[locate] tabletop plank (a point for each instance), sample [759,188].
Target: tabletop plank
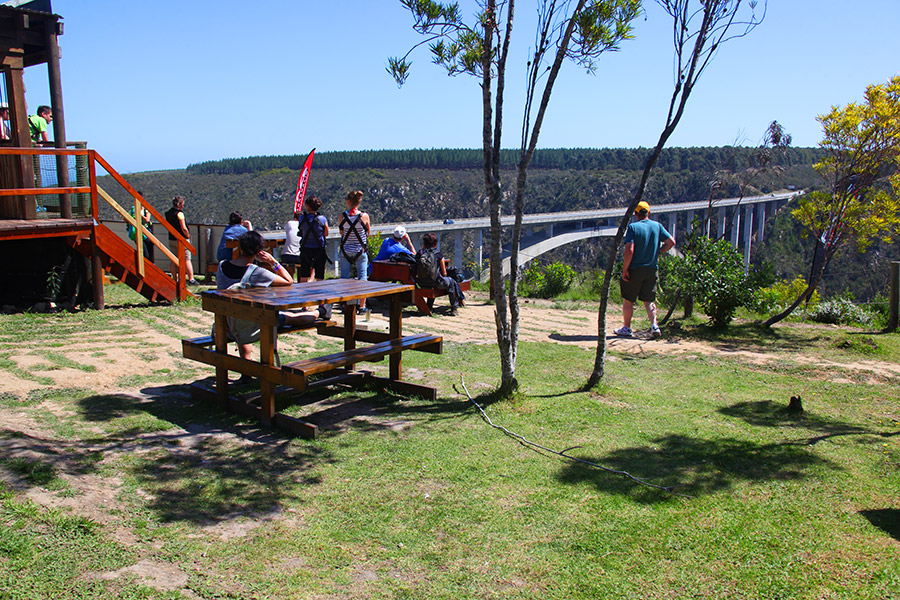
[303,294]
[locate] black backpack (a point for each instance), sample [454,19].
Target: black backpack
[427,268]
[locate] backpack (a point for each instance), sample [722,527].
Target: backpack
[132,232]
[427,268]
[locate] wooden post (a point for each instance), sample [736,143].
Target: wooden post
[395,362]
[97,273]
[59,120]
[895,295]
[267,337]
[220,333]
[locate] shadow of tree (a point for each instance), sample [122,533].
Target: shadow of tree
[212,467]
[885,519]
[744,336]
[765,413]
[691,466]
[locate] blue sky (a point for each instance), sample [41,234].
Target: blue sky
[160,85]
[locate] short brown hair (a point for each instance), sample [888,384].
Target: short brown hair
[355,197]
[429,240]
[251,243]
[314,204]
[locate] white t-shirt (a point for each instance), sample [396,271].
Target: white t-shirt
[291,238]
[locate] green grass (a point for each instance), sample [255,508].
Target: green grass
[405,498]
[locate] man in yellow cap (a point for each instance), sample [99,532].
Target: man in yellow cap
[642,248]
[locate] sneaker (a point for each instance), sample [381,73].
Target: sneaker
[454,312]
[361,311]
[655,332]
[325,312]
[624,332]
[193,282]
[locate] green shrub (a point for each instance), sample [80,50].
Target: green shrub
[780,295]
[546,281]
[712,271]
[840,311]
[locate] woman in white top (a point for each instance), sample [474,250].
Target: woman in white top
[290,256]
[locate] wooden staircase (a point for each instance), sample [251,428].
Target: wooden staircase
[119,259]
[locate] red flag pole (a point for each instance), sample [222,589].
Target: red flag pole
[302,181]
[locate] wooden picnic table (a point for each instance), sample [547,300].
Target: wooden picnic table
[262,305]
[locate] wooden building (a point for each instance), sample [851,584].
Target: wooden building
[49,195]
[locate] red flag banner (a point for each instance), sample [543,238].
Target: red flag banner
[301,182]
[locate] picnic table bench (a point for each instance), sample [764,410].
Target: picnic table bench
[423,297]
[262,306]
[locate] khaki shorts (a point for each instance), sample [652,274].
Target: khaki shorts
[173,247]
[641,285]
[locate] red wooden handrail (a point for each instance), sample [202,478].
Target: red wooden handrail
[94,158]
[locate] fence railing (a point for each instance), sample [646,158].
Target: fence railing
[88,195]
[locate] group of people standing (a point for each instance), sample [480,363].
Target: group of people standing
[304,251]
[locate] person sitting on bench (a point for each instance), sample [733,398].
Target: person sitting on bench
[240,272]
[431,271]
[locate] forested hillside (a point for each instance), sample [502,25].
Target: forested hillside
[411,185]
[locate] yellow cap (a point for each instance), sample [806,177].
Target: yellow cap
[642,207]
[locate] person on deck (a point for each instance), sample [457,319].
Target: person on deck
[37,124]
[235,229]
[314,230]
[241,270]
[355,230]
[642,249]
[431,271]
[175,218]
[398,242]
[5,133]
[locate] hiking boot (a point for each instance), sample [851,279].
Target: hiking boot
[655,332]
[624,332]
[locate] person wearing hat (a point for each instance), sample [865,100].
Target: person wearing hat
[397,242]
[642,247]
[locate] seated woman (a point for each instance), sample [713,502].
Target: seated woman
[431,271]
[241,272]
[236,228]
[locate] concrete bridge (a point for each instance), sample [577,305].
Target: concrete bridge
[543,232]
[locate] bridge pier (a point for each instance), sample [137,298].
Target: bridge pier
[672,224]
[689,226]
[479,250]
[335,253]
[735,226]
[458,249]
[720,223]
[760,221]
[748,232]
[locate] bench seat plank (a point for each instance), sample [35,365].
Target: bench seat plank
[373,353]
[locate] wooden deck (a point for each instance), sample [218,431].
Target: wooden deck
[20,229]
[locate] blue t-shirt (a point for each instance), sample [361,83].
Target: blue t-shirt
[646,236]
[390,247]
[232,232]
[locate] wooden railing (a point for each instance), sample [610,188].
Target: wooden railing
[97,193]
